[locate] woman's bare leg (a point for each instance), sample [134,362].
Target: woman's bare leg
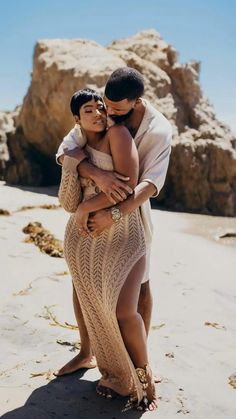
[145,305]
[85,358]
[132,325]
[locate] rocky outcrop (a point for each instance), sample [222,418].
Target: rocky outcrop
[202,173]
[7,126]
[60,68]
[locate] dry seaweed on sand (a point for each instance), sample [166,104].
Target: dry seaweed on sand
[42,238]
[62,273]
[24,291]
[232,380]
[47,374]
[43,206]
[215,325]
[74,345]
[156,327]
[52,317]
[4,212]
[170,355]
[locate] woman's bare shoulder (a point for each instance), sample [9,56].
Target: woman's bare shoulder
[118,132]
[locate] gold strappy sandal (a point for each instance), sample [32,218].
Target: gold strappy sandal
[142,376]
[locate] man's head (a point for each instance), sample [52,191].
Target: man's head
[123,91]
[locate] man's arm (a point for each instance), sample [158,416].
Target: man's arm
[102,220]
[156,154]
[112,184]
[73,139]
[142,192]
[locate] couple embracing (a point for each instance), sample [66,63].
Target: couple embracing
[113,161]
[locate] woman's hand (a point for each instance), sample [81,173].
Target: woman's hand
[81,219]
[99,222]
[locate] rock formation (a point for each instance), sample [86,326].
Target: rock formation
[202,173]
[7,125]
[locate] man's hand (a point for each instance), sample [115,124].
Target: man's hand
[113,185]
[99,222]
[77,152]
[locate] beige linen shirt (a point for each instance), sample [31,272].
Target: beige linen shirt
[153,141]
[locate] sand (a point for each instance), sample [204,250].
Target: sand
[193,337]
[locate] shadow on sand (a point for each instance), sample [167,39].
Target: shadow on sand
[71,397]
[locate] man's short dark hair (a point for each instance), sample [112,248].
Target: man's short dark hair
[81,97]
[124,83]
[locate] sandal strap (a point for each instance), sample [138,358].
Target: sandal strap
[142,376]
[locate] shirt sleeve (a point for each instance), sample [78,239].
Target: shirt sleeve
[156,159]
[73,139]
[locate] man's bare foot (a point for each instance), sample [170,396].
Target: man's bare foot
[151,403]
[76,363]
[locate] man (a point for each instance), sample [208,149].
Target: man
[152,134]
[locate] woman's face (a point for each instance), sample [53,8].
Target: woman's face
[93,116]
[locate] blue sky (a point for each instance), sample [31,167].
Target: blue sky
[201,30]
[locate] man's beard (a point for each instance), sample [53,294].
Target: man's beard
[121,118]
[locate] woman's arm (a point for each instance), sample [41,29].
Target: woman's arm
[70,192]
[125,160]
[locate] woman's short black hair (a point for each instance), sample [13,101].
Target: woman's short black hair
[124,83]
[81,97]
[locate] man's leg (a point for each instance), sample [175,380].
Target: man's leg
[145,304]
[85,358]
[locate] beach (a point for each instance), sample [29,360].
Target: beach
[193,334]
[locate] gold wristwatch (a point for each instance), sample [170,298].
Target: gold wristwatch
[116,214]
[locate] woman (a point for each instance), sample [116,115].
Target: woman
[107,269]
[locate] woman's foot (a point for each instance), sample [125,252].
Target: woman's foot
[146,378]
[78,362]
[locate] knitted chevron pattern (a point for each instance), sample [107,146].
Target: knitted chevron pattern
[70,194]
[99,267]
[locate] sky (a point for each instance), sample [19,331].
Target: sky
[203,30]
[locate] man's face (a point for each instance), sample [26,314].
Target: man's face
[119,111]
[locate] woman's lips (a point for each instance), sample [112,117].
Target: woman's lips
[100,122]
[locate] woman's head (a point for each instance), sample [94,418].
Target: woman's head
[88,109]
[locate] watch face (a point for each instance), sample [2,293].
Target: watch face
[116,215]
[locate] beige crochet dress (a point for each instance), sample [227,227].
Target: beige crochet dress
[99,267]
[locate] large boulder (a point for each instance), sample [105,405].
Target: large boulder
[60,68]
[7,126]
[202,173]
